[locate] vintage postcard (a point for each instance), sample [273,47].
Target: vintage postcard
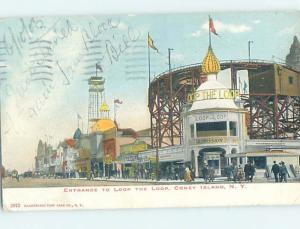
[150,110]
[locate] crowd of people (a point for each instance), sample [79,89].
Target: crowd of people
[238,173]
[235,173]
[280,172]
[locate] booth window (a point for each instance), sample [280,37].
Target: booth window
[291,80]
[211,129]
[192,130]
[232,128]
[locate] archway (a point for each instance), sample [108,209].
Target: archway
[214,157]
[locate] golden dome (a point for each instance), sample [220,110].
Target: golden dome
[104,107]
[103,125]
[211,64]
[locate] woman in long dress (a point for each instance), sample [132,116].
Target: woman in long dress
[187,175]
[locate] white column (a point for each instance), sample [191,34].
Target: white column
[196,153]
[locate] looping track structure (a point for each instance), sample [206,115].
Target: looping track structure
[272,113]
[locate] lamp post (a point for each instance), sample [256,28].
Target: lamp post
[249,49]
[171,97]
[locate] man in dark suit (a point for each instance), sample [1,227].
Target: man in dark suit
[275,169]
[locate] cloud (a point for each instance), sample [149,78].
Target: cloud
[231,28]
[223,27]
[122,26]
[290,30]
[197,33]
[177,56]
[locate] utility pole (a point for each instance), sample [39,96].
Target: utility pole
[1,165]
[171,98]
[249,49]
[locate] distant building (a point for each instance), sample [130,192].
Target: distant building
[293,58]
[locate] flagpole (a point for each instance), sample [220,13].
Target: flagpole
[151,122]
[209,34]
[148,61]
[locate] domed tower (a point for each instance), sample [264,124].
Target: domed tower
[104,123]
[214,126]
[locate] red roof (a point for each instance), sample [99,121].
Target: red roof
[71,142]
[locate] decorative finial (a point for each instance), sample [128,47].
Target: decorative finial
[210,64]
[104,107]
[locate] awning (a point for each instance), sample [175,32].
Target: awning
[264,154]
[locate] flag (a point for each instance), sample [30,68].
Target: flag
[151,43]
[98,67]
[118,101]
[212,26]
[78,116]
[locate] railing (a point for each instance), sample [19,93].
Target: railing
[224,62]
[274,143]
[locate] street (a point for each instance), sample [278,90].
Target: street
[40,182]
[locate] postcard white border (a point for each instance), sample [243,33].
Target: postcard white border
[150,196]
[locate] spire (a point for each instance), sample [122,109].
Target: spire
[295,40]
[210,64]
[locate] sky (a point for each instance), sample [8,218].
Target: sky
[43,94]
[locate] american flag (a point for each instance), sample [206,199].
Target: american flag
[118,101]
[98,67]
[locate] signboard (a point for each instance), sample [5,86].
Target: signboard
[210,156]
[214,140]
[108,159]
[205,117]
[135,147]
[213,94]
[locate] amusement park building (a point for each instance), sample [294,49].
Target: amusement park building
[219,126]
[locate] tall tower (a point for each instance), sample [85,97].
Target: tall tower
[96,91]
[293,58]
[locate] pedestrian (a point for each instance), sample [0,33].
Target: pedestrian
[247,171]
[252,172]
[211,174]
[146,173]
[283,172]
[181,171]
[187,175]
[229,172]
[177,172]
[92,175]
[235,172]
[172,172]
[240,173]
[205,173]
[168,172]
[275,169]
[193,174]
